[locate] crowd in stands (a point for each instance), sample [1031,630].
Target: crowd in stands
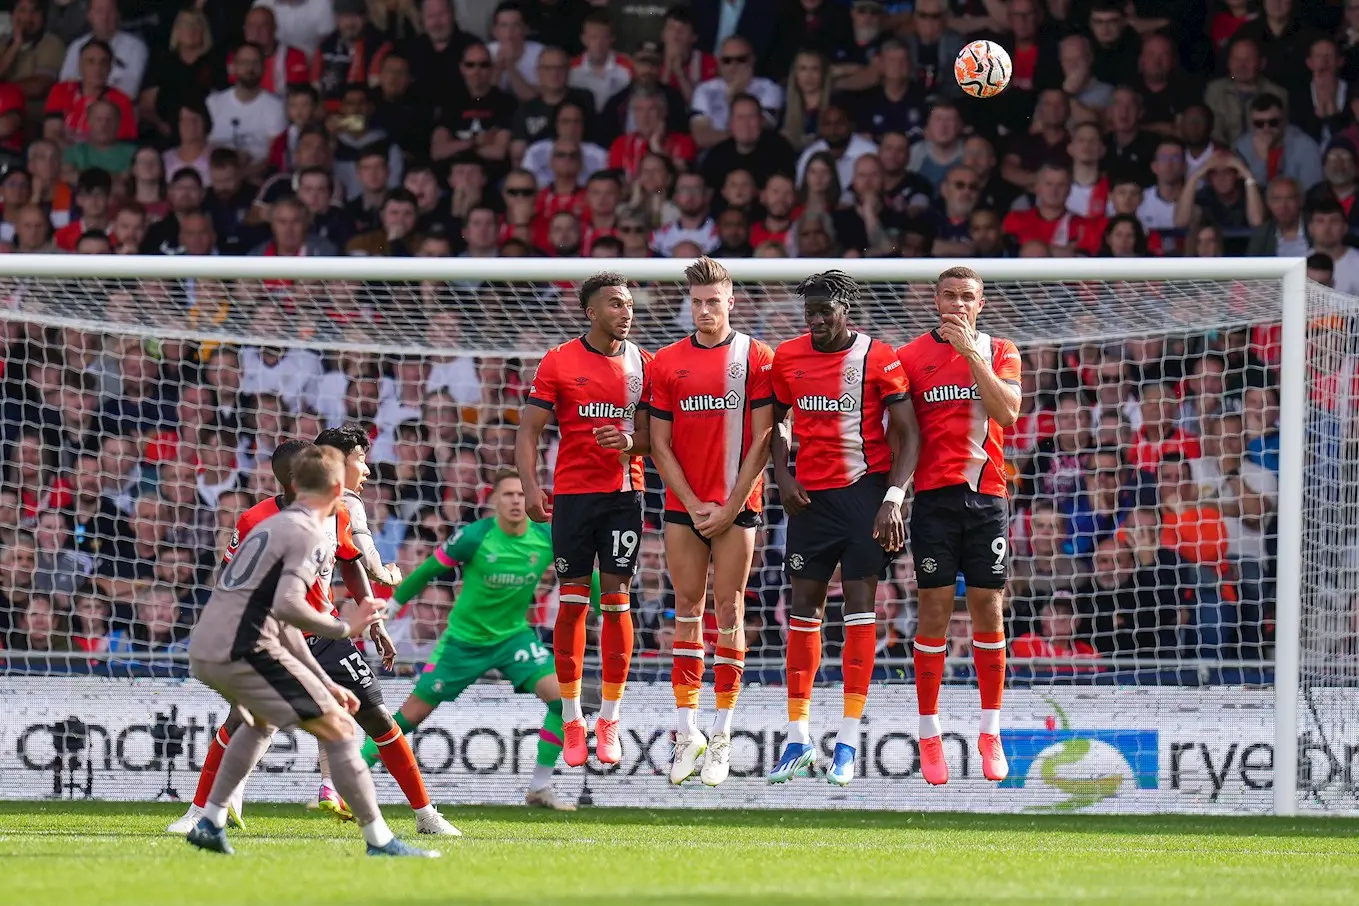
[1145,471]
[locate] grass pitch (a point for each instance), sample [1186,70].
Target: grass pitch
[104,853]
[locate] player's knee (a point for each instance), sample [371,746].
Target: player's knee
[332,726]
[374,721]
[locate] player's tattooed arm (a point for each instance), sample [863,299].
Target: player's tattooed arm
[791,492]
[532,421]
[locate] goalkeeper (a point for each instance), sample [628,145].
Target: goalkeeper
[503,558]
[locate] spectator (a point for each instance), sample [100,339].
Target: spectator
[563,192]
[535,119]
[418,627]
[90,623]
[648,112]
[1275,148]
[185,197]
[1089,96]
[1042,568]
[950,221]
[93,191]
[329,222]
[246,117]
[600,70]
[905,191]
[618,118]
[194,124]
[1049,222]
[807,93]
[32,57]
[866,224]
[1196,533]
[1047,140]
[1321,110]
[634,232]
[353,52]
[1231,198]
[713,99]
[396,20]
[230,197]
[820,190]
[356,136]
[516,58]
[838,140]
[694,224]
[61,567]
[435,56]
[813,236]
[1284,232]
[942,147]
[1129,149]
[1229,97]
[684,66]
[479,119]
[1283,39]
[1123,238]
[281,63]
[1160,434]
[373,174]
[398,111]
[1089,195]
[1116,44]
[933,46]
[396,236]
[733,231]
[1033,53]
[479,234]
[1327,226]
[539,158]
[100,146]
[146,182]
[73,99]
[855,61]
[1054,637]
[750,146]
[55,194]
[652,189]
[32,231]
[127,53]
[563,236]
[1157,210]
[40,628]
[288,226]
[155,629]
[186,73]
[778,202]
[1166,91]
[603,193]
[985,236]
[1321,269]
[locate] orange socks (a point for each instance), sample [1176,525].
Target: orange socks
[728,667]
[395,751]
[861,642]
[568,646]
[211,762]
[804,659]
[686,675]
[988,657]
[929,657]
[615,648]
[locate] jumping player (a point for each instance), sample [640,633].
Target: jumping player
[844,505]
[595,385]
[964,387]
[247,646]
[502,558]
[712,414]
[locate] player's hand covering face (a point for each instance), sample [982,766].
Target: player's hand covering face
[611,309]
[827,322]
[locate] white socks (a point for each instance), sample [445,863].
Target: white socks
[686,720]
[215,813]
[799,731]
[929,726]
[722,723]
[542,777]
[571,710]
[377,833]
[608,710]
[420,812]
[849,732]
[990,722]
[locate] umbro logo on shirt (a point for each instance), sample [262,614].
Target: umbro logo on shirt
[582,381]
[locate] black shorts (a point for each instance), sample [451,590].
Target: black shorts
[955,530]
[344,664]
[837,529]
[744,519]
[606,528]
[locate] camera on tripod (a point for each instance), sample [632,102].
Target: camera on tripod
[70,738]
[167,739]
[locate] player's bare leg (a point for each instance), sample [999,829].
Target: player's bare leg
[615,649]
[733,551]
[930,651]
[540,792]
[803,661]
[208,774]
[568,651]
[857,659]
[686,557]
[986,606]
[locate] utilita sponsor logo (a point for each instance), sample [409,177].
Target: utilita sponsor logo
[951,393]
[707,402]
[606,410]
[845,403]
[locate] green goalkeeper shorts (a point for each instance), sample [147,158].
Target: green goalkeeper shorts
[522,659]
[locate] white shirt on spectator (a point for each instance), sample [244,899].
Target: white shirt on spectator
[1193,161]
[391,411]
[294,378]
[538,161]
[712,101]
[458,377]
[303,24]
[129,63]
[1155,213]
[1347,272]
[329,398]
[247,127]
[858,147]
[211,493]
[667,237]
[401,631]
[527,65]
[173,163]
[603,83]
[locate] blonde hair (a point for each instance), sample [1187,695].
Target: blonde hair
[795,110]
[317,469]
[706,272]
[191,16]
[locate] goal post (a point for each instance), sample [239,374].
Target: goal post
[1063,303]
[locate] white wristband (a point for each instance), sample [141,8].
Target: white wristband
[627,442]
[894,495]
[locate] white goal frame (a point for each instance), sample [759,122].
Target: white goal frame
[1291,272]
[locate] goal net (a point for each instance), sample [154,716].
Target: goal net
[140,413]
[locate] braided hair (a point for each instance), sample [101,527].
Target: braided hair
[832,285]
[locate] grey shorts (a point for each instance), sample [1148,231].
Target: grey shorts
[273,689]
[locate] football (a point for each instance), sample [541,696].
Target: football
[982,69]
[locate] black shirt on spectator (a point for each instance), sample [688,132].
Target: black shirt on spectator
[408,120]
[181,83]
[772,154]
[1164,106]
[162,237]
[338,62]
[334,225]
[557,23]
[1285,55]
[875,113]
[1226,216]
[913,190]
[535,119]
[826,29]
[1033,151]
[998,195]
[1134,159]
[435,71]
[466,116]
[852,233]
[1115,64]
[228,214]
[362,216]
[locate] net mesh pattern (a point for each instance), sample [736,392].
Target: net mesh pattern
[139,418]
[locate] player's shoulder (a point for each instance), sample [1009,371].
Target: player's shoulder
[270,506]
[570,348]
[473,532]
[794,346]
[760,351]
[926,341]
[667,356]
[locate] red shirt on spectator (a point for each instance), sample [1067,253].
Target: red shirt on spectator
[1223,26]
[760,234]
[627,151]
[590,234]
[12,101]
[1033,645]
[67,99]
[1147,453]
[1067,229]
[700,68]
[68,236]
[285,66]
[550,203]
